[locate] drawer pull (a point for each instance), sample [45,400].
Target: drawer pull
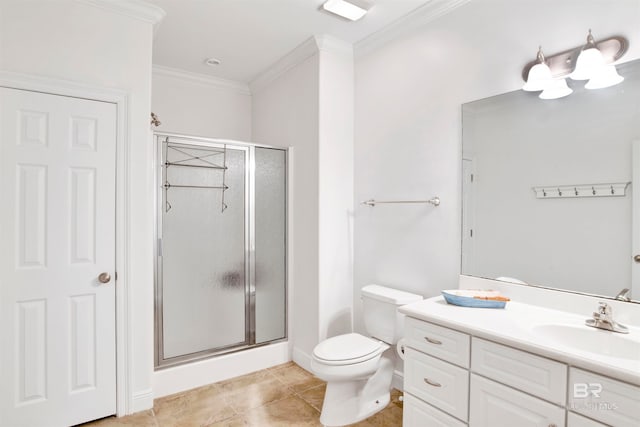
[432,383]
[552,425]
[432,341]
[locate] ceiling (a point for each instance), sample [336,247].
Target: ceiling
[250,35]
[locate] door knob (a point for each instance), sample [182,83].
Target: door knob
[104,278]
[636,258]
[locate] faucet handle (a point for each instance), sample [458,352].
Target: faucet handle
[604,308]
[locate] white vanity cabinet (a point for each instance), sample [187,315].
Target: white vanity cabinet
[493,404]
[575,420]
[455,379]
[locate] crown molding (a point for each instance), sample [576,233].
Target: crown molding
[302,52]
[161,70]
[424,14]
[136,9]
[332,44]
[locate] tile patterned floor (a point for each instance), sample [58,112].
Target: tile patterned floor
[282,396]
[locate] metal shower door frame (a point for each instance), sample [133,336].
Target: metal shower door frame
[250,257]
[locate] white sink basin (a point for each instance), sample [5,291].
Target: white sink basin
[592,340]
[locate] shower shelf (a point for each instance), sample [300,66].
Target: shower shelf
[213,187]
[167,164]
[196,157]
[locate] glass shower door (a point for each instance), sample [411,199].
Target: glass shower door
[270,270]
[204,249]
[221,269]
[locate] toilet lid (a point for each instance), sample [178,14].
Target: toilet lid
[346,347]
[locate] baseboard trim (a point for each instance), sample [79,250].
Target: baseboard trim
[398,380]
[141,401]
[302,358]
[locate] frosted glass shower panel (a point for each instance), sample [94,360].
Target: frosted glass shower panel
[204,253]
[270,243]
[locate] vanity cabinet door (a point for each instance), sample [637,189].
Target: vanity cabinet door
[443,343]
[496,405]
[539,376]
[417,413]
[604,399]
[439,383]
[574,420]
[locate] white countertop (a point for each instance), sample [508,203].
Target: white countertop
[514,326]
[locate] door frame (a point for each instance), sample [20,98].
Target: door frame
[124,356]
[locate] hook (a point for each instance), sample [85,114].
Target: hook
[544,193]
[593,191]
[559,192]
[575,190]
[154,120]
[612,190]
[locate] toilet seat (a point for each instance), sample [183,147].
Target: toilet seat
[348,349]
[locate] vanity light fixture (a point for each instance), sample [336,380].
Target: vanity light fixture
[349,9]
[539,75]
[591,66]
[556,88]
[539,79]
[592,62]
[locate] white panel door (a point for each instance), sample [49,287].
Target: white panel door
[635,221]
[57,235]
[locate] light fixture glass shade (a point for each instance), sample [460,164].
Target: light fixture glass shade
[589,63]
[607,76]
[345,9]
[557,88]
[538,79]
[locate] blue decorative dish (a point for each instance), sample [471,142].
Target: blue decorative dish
[466,298]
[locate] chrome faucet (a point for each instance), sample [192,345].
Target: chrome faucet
[603,319]
[624,295]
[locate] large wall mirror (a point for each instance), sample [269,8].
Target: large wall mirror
[548,198]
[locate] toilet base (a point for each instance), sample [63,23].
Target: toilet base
[347,402]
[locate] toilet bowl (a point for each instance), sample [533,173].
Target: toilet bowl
[359,369]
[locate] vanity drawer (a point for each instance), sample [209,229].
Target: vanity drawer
[536,375]
[496,405]
[575,420]
[604,399]
[437,341]
[416,413]
[439,383]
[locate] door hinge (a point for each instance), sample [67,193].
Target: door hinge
[471,233]
[471,177]
[159,247]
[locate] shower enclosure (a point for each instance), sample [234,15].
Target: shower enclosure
[221,247]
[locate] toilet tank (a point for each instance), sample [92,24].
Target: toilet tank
[380,310]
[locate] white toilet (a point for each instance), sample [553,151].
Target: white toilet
[359,369]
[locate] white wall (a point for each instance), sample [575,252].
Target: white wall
[77,42]
[407,123]
[305,101]
[285,113]
[335,158]
[200,105]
